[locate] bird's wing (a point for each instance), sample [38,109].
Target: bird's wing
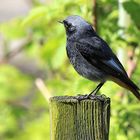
[97,52]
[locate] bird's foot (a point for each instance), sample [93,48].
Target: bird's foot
[89,96]
[80,97]
[94,96]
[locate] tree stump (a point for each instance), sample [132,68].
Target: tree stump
[85,120]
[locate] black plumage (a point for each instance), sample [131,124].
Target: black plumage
[91,56]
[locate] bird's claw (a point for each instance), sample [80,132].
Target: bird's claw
[82,97]
[88,96]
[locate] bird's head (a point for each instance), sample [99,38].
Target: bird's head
[76,26]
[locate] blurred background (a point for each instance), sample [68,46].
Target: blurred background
[34,65]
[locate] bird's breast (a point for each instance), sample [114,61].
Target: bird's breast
[82,66]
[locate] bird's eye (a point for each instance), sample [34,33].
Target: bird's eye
[69,26]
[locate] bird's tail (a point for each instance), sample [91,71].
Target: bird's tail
[133,88]
[128,84]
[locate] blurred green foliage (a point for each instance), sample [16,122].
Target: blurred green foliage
[24,113]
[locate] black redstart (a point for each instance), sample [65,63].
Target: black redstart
[92,58]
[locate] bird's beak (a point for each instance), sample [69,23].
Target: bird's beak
[62,22]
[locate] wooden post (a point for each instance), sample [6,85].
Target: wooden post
[84,120]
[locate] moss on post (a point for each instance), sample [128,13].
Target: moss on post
[84,120]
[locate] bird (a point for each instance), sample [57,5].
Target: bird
[92,57]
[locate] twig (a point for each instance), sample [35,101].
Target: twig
[41,86]
[131,62]
[21,46]
[94,13]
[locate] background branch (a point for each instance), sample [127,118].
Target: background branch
[94,13]
[43,89]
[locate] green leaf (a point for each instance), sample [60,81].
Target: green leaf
[34,15]
[133,9]
[59,57]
